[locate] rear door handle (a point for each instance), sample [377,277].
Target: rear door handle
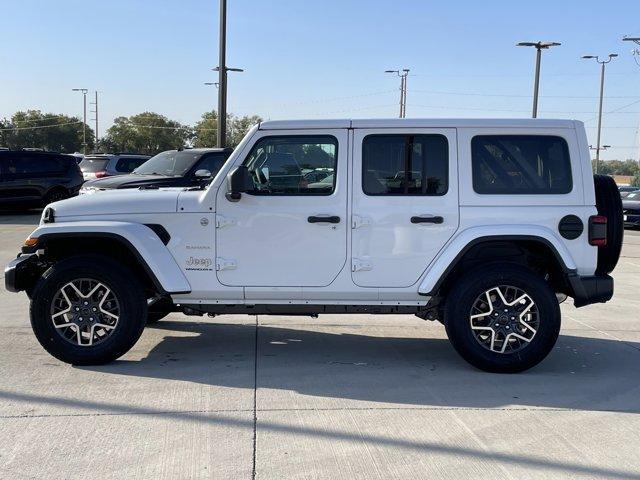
[323,219]
[427,219]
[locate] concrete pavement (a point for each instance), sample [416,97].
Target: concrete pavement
[335,397]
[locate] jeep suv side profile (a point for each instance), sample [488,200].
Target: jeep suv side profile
[483,225]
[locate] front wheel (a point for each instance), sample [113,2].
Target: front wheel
[88,310]
[502,318]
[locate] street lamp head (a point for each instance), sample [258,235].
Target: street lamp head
[538,45]
[235,70]
[627,38]
[391,71]
[588,56]
[613,55]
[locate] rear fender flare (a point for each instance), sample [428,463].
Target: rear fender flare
[460,244]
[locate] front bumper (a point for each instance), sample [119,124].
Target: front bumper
[591,289]
[22,273]
[631,220]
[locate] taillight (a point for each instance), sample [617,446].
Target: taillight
[101,174]
[598,230]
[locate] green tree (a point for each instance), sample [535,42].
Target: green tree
[206,130]
[617,167]
[48,131]
[147,133]
[636,180]
[238,128]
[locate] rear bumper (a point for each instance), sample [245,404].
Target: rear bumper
[591,289]
[22,273]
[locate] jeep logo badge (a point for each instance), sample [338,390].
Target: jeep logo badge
[204,222]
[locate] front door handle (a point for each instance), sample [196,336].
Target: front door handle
[427,219]
[323,219]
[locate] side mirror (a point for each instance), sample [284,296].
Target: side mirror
[202,174]
[238,181]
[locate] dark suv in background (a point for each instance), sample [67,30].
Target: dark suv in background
[173,168]
[33,178]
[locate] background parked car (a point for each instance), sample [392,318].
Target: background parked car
[173,168]
[631,209]
[625,191]
[101,165]
[35,178]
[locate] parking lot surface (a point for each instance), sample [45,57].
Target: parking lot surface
[349,397]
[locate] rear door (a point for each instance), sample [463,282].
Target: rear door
[405,202]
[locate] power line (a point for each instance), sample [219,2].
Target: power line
[41,126]
[478,94]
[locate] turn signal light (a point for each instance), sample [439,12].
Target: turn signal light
[598,230]
[101,174]
[31,242]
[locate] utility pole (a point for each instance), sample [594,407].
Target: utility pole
[403,74]
[84,117]
[222,70]
[602,63]
[536,83]
[95,103]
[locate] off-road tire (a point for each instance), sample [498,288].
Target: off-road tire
[609,204]
[124,286]
[458,308]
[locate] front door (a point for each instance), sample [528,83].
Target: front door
[291,229]
[405,203]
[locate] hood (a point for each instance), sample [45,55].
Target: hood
[119,202]
[131,181]
[631,204]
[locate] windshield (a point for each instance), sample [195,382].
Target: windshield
[93,164]
[171,163]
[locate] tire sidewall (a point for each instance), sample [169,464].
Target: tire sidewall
[122,283]
[474,284]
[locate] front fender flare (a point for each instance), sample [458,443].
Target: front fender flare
[466,239]
[143,243]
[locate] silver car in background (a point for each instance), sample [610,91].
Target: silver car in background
[101,165]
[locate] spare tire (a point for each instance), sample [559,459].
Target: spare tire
[609,204]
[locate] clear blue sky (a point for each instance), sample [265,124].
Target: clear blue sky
[322,58]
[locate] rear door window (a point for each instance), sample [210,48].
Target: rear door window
[405,165]
[35,165]
[520,164]
[128,164]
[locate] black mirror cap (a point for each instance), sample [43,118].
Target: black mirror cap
[238,182]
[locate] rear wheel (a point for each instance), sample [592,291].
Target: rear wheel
[502,318]
[88,310]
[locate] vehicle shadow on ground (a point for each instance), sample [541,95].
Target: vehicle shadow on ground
[592,374]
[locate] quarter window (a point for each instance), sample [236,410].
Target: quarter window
[405,165]
[520,164]
[293,165]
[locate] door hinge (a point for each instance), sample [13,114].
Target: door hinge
[222,221]
[358,221]
[361,264]
[225,264]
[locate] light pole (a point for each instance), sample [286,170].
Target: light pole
[84,117]
[602,63]
[222,70]
[635,52]
[403,74]
[536,84]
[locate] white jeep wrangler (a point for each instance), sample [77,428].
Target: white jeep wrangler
[484,225]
